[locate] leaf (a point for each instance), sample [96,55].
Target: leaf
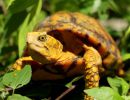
[2,87]
[29,23]
[20,5]
[70,84]
[126,56]
[9,2]
[18,78]
[22,36]
[12,24]
[113,6]
[103,93]
[125,39]
[96,5]
[119,85]
[17,97]
[3,95]
[45,99]
[126,97]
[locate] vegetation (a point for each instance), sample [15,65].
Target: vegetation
[17,17]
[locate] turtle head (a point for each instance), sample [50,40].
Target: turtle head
[43,47]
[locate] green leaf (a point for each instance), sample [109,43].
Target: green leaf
[20,5]
[45,99]
[18,78]
[113,6]
[126,56]
[2,87]
[70,84]
[8,2]
[119,85]
[3,95]
[22,36]
[103,93]
[17,97]
[12,24]
[96,5]
[126,97]
[126,38]
[29,23]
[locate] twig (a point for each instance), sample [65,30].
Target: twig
[65,92]
[8,89]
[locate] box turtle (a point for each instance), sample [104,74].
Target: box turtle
[67,44]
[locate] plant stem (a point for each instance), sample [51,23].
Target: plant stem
[65,92]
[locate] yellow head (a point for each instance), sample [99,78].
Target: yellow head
[43,47]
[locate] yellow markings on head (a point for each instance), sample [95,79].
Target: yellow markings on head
[43,47]
[36,37]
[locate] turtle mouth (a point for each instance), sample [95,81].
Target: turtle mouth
[37,51]
[34,47]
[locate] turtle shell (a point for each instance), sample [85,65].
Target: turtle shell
[75,26]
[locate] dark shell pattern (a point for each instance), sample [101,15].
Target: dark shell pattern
[88,30]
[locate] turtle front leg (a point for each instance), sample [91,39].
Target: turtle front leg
[92,64]
[19,64]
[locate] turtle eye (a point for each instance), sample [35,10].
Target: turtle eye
[42,38]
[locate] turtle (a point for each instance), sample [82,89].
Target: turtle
[66,44]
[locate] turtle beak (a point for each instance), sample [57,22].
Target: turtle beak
[30,37]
